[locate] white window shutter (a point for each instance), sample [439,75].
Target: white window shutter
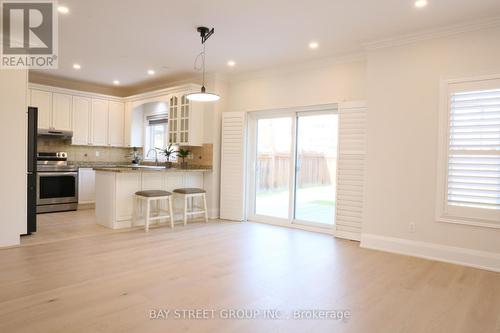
[233,150]
[474,150]
[351,170]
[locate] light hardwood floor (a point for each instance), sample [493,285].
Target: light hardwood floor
[90,279]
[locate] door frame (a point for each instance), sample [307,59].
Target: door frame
[294,113]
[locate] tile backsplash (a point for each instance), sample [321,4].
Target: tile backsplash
[201,156]
[84,153]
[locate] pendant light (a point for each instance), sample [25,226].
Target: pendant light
[203,95]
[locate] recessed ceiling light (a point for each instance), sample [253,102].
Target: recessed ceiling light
[63,10]
[151,72]
[313,45]
[76,66]
[231,63]
[420,3]
[116,82]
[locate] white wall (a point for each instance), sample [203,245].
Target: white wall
[322,82]
[403,96]
[212,134]
[13,107]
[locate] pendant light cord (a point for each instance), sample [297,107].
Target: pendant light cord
[202,68]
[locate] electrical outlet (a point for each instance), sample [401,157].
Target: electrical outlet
[412,227]
[97,154]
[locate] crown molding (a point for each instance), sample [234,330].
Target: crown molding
[433,34]
[45,79]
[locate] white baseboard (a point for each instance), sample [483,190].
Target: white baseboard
[455,255]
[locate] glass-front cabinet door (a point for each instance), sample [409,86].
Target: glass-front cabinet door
[184,121]
[173,121]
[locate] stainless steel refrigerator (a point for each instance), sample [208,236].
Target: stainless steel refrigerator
[31,169]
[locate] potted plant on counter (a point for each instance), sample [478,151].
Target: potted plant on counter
[168,152]
[183,154]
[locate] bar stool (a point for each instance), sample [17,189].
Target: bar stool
[191,193]
[156,196]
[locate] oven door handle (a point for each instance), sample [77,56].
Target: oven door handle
[56,174]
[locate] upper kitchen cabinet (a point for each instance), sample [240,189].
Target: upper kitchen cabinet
[99,122]
[61,111]
[43,101]
[102,120]
[82,108]
[116,118]
[54,109]
[173,120]
[185,121]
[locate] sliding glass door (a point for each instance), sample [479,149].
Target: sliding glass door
[274,151]
[316,168]
[293,168]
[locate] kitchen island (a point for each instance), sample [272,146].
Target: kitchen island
[115,188]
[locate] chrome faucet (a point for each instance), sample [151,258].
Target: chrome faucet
[156,155]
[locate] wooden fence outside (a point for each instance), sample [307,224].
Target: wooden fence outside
[315,169]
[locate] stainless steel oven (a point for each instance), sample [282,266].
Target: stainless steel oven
[57,183]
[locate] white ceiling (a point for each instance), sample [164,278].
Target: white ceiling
[122,39]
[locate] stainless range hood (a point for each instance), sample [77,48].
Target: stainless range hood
[55,133]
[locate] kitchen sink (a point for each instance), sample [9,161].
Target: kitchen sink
[150,167]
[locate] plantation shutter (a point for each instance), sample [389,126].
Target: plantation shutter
[232,191]
[473,175]
[351,170]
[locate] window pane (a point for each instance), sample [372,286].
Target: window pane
[274,152]
[159,136]
[316,168]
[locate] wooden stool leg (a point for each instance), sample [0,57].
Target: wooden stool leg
[185,208]
[205,207]
[146,223]
[158,209]
[134,211]
[192,207]
[171,212]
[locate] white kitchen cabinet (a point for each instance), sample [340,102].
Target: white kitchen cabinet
[116,119]
[185,121]
[54,109]
[86,186]
[43,101]
[99,122]
[113,121]
[62,105]
[82,108]
[173,119]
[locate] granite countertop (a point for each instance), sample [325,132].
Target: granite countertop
[95,164]
[151,169]
[127,167]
